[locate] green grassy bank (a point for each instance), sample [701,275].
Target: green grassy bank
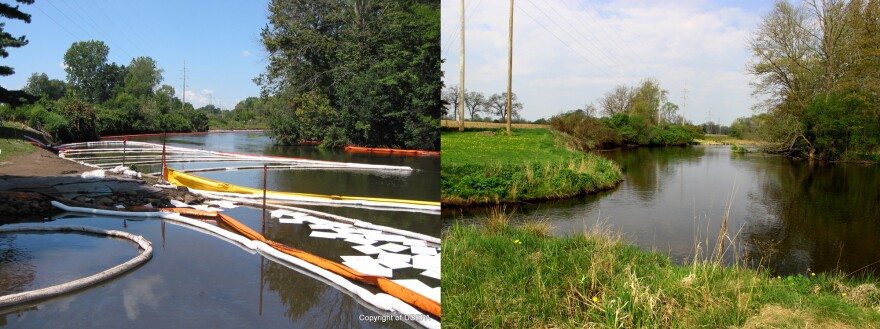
[505,277]
[489,167]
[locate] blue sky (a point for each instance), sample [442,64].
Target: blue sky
[220,41]
[568,53]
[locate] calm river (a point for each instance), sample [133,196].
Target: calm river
[195,280]
[794,215]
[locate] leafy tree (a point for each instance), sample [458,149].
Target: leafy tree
[12,97]
[817,65]
[647,100]
[142,76]
[85,62]
[375,61]
[41,86]
[668,113]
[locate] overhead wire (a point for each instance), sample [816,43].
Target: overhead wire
[90,22]
[118,28]
[624,49]
[457,29]
[575,51]
[602,48]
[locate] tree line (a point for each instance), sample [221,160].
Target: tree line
[476,104]
[818,67]
[627,115]
[102,98]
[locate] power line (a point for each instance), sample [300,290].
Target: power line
[602,48]
[554,21]
[617,40]
[118,28]
[457,29]
[599,67]
[85,17]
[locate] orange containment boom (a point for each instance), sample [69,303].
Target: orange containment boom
[390,287]
[390,151]
[200,183]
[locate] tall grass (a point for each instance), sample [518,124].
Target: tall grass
[515,277]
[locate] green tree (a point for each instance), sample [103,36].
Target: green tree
[142,76]
[85,63]
[41,86]
[647,100]
[376,62]
[818,66]
[12,97]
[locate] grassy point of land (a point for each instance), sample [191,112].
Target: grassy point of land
[489,167]
[711,139]
[501,276]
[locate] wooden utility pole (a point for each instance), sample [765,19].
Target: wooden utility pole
[510,69]
[461,75]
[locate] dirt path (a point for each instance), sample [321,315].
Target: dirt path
[40,163]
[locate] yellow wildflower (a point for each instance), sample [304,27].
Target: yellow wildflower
[595,299]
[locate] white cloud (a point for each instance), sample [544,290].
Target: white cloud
[200,98]
[62,65]
[568,53]
[246,53]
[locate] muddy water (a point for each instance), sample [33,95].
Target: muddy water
[197,280]
[790,215]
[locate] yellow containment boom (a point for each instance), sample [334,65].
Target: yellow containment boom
[200,183]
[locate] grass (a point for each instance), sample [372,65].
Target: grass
[710,139]
[11,147]
[502,276]
[489,167]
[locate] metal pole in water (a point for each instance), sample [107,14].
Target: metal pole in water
[164,166]
[263,230]
[124,141]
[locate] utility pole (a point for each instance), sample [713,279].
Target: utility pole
[510,69]
[183,104]
[684,105]
[461,75]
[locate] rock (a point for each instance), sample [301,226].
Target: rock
[105,201]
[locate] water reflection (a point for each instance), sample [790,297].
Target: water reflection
[16,270]
[790,215]
[818,217]
[141,292]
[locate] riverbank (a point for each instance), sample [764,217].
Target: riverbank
[503,276]
[31,177]
[489,167]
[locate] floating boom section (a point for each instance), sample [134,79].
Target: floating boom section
[390,287]
[203,184]
[109,154]
[253,240]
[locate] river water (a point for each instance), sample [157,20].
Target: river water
[198,280]
[791,216]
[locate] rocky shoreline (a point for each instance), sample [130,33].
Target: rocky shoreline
[30,197]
